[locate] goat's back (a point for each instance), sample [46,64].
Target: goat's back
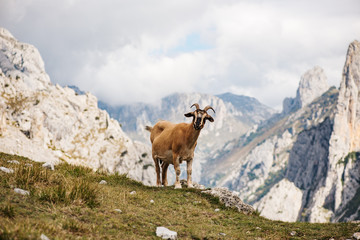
[159,128]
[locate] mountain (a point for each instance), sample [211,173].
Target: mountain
[252,111]
[234,116]
[302,164]
[49,123]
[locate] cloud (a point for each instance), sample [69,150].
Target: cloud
[130,51]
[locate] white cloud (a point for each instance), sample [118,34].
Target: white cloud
[128,51]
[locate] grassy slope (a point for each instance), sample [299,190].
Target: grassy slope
[69,203]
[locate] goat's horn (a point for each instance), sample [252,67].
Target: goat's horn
[207,108]
[196,105]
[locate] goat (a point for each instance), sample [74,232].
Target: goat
[174,143]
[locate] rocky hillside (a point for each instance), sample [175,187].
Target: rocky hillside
[303,163]
[234,116]
[48,123]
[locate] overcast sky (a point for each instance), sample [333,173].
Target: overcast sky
[142,50]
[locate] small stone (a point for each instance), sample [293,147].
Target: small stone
[118,210]
[49,165]
[258,228]
[151,201]
[165,233]
[133,192]
[13,161]
[217,210]
[28,165]
[7,170]
[293,233]
[44,237]
[103,182]
[222,234]
[21,191]
[356,235]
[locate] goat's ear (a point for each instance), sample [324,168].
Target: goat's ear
[190,114]
[208,117]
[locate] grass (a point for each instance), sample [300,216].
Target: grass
[69,203]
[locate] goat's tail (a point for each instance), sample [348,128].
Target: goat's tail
[149,128]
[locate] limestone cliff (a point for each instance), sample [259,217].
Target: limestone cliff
[48,123]
[341,186]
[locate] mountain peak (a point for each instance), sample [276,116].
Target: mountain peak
[351,68]
[22,60]
[313,83]
[5,33]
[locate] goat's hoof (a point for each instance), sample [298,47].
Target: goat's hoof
[177,186]
[190,185]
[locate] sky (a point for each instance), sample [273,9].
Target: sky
[142,50]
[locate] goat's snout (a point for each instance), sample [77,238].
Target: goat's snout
[197,123]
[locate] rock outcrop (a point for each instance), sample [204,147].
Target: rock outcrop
[49,123]
[312,84]
[230,199]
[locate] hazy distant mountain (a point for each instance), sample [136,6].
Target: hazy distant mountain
[251,109]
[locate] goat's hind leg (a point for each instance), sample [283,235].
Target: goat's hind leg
[164,168]
[176,162]
[157,169]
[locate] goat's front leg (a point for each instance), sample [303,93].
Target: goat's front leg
[176,162]
[189,172]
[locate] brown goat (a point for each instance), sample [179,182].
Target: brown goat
[174,143]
